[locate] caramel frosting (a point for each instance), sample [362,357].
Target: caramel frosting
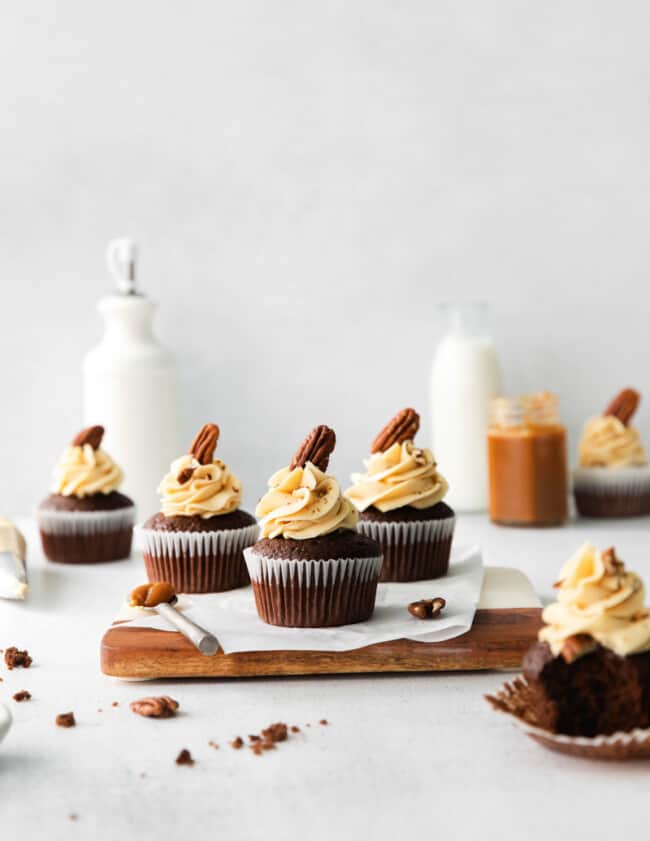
[402,475]
[607,442]
[303,503]
[599,597]
[83,471]
[206,490]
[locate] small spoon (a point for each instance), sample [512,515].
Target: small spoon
[160,596]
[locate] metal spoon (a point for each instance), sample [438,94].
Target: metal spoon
[206,642]
[160,596]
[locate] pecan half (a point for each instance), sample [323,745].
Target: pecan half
[402,427]
[203,446]
[160,707]
[612,563]
[577,646]
[185,475]
[426,608]
[624,405]
[90,435]
[317,448]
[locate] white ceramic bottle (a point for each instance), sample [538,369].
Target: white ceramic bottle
[130,385]
[465,377]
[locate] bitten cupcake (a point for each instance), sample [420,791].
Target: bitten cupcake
[311,568]
[196,542]
[613,477]
[399,498]
[586,686]
[85,520]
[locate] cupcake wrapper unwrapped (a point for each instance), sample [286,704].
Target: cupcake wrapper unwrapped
[513,701]
[313,593]
[612,492]
[413,551]
[198,562]
[86,537]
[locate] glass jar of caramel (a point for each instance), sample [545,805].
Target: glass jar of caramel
[527,461]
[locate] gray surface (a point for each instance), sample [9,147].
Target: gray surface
[307,181]
[404,756]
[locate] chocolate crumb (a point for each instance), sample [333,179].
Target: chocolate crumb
[14,658]
[275,732]
[295,729]
[237,743]
[184,758]
[115,704]
[254,738]
[23,695]
[66,720]
[323,721]
[213,745]
[257,748]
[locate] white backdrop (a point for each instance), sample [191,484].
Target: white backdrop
[307,181]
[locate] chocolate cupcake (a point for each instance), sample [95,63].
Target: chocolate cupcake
[311,568]
[85,520]
[613,477]
[586,686]
[196,542]
[400,505]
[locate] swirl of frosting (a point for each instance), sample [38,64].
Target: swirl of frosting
[84,471]
[606,442]
[597,596]
[210,490]
[304,503]
[402,475]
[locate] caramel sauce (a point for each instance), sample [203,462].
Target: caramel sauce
[152,594]
[527,463]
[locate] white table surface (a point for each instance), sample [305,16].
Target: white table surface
[417,756]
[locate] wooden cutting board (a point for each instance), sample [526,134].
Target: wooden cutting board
[497,640]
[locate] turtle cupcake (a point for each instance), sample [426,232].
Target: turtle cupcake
[196,542]
[586,686]
[86,520]
[311,568]
[613,476]
[400,503]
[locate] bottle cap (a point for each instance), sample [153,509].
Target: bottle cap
[121,256]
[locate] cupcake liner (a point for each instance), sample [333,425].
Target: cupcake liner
[198,562]
[313,593]
[611,492]
[69,523]
[413,551]
[86,537]
[514,699]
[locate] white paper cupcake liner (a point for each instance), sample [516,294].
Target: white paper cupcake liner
[86,523]
[606,480]
[413,551]
[205,543]
[313,593]
[310,573]
[512,700]
[198,562]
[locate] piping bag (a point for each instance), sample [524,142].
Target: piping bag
[13,568]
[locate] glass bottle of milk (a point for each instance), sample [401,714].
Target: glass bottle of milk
[465,378]
[130,385]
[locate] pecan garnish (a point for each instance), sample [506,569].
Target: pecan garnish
[203,446]
[23,695]
[426,608]
[624,405]
[161,707]
[577,646]
[275,732]
[14,658]
[237,743]
[612,563]
[185,475]
[65,720]
[317,448]
[90,435]
[402,427]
